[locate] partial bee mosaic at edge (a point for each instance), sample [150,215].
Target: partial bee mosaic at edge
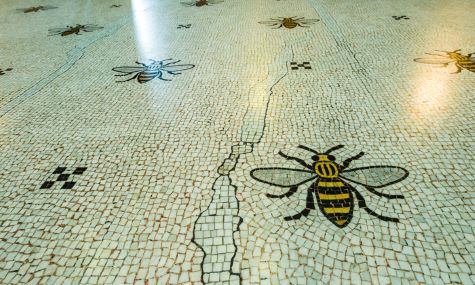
[69,30]
[155,69]
[2,71]
[460,61]
[289,23]
[201,3]
[332,184]
[36,9]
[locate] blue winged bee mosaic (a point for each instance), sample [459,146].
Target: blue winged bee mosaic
[155,69]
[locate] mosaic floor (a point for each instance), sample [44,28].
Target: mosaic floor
[237,142]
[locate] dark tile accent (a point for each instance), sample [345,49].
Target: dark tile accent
[305,65]
[59,170]
[63,177]
[47,185]
[79,170]
[68,185]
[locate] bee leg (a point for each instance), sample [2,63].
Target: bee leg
[307,148]
[371,189]
[141,63]
[306,211]
[127,74]
[132,78]
[289,193]
[172,63]
[161,77]
[362,205]
[300,161]
[333,148]
[347,162]
[435,54]
[162,61]
[459,69]
[470,54]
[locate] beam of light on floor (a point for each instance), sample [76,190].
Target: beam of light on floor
[148,32]
[432,94]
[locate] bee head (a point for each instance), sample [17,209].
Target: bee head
[323,157]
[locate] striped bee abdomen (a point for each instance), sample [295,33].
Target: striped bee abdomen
[463,61]
[335,200]
[148,75]
[467,63]
[289,23]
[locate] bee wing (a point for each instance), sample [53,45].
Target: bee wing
[128,69]
[434,60]
[48,7]
[282,177]
[90,28]
[177,67]
[188,3]
[57,30]
[308,21]
[375,176]
[215,1]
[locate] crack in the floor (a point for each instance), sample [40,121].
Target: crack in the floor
[224,205]
[73,56]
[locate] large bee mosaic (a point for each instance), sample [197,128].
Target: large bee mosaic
[36,9]
[201,3]
[69,30]
[155,69]
[332,184]
[289,23]
[460,61]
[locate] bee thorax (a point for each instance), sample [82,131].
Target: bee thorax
[326,169]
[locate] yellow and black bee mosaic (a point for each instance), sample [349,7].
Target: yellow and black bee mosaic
[460,61]
[69,30]
[201,3]
[36,8]
[155,69]
[289,23]
[332,184]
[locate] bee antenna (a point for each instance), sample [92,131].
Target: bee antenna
[334,148]
[308,149]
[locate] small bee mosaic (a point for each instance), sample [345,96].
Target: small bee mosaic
[201,3]
[155,69]
[397,18]
[69,30]
[36,9]
[333,184]
[460,61]
[181,26]
[289,23]
[2,72]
